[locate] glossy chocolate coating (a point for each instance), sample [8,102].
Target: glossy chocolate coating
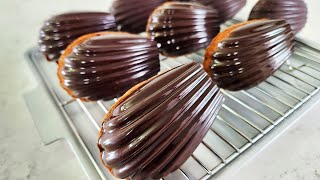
[183,28]
[226,8]
[59,31]
[293,11]
[156,128]
[132,15]
[106,66]
[250,54]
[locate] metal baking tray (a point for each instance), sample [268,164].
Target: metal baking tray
[245,117]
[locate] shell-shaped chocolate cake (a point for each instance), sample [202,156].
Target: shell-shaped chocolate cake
[155,127]
[293,11]
[132,15]
[104,65]
[226,8]
[183,28]
[59,31]
[246,54]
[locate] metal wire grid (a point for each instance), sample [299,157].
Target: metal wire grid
[245,116]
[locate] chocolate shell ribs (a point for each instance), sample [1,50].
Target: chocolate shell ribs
[183,28]
[226,8]
[59,31]
[247,53]
[105,65]
[132,15]
[155,127]
[293,11]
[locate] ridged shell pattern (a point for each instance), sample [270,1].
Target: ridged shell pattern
[132,15]
[157,126]
[106,65]
[183,28]
[293,11]
[226,8]
[59,31]
[250,54]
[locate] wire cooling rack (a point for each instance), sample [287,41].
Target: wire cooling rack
[245,116]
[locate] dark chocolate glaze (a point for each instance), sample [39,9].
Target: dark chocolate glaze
[293,11]
[155,129]
[183,28]
[251,54]
[132,15]
[226,8]
[59,31]
[106,66]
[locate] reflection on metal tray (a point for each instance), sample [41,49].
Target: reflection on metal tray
[245,117]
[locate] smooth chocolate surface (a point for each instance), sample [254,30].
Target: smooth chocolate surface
[132,15]
[250,54]
[106,66]
[156,128]
[183,28]
[293,11]
[226,8]
[59,31]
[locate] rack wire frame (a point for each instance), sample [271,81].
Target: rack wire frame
[245,117]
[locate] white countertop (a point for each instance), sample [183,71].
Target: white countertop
[294,155]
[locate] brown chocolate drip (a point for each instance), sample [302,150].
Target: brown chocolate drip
[106,66]
[293,11]
[132,15]
[251,54]
[183,28]
[158,126]
[59,31]
[226,8]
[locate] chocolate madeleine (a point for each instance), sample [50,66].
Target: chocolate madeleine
[155,127]
[183,28]
[132,15]
[105,65]
[59,31]
[226,8]
[293,11]
[246,54]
